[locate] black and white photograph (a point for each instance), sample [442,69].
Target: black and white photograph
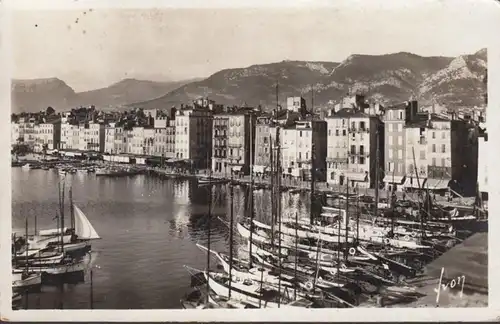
[266,157]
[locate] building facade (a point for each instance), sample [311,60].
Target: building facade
[48,135]
[395,119]
[355,148]
[193,136]
[220,161]
[262,144]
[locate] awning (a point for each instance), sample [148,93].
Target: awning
[412,182]
[236,168]
[393,179]
[436,184]
[362,177]
[259,168]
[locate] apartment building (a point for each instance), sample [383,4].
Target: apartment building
[149,141]
[232,143]
[91,137]
[193,136]
[116,139]
[136,141]
[395,119]
[47,135]
[220,160]
[354,138]
[262,144]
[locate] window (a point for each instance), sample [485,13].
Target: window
[433,135]
[443,135]
[337,132]
[400,140]
[390,154]
[362,126]
[329,132]
[307,155]
[361,160]
[422,155]
[433,148]
[300,133]
[353,149]
[401,115]
[344,132]
[353,125]
[400,127]
[390,140]
[353,159]
[433,161]
[443,148]
[361,149]
[400,154]
[390,166]
[343,122]
[443,162]
[300,155]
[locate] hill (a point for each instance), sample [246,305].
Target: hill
[388,78]
[37,94]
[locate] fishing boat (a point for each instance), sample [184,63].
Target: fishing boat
[26,281]
[65,267]
[26,166]
[210,181]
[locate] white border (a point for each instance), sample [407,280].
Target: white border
[492,312]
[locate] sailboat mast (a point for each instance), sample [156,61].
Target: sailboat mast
[278,206]
[251,189]
[346,221]
[357,215]
[420,192]
[339,220]
[62,217]
[296,254]
[71,208]
[27,244]
[311,209]
[231,235]
[271,148]
[35,225]
[209,220]
[377,171]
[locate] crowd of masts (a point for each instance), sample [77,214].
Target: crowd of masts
[267,268]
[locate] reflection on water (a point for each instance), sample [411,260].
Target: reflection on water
[149,228]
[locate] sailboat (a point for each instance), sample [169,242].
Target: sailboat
[25,281]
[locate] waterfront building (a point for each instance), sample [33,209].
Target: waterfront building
[160,142]
[231,140]
[438,152]
[262,144]
[115,139]
[395,119]
[220,144]
[47,135]
[70,134]
[149,140]
[352,147]
[193,136]
[16,133]
[91,137]
[136,143]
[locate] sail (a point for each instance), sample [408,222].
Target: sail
[83,227]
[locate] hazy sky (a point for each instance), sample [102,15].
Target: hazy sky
[92,49]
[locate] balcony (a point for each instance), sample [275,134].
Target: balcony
[336,159]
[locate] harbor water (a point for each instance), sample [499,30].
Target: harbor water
[149,229]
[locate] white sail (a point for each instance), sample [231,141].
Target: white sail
[83,227]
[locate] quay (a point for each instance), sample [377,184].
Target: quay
[468,260]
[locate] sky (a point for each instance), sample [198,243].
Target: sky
[94,47]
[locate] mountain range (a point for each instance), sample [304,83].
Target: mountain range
[390,78]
